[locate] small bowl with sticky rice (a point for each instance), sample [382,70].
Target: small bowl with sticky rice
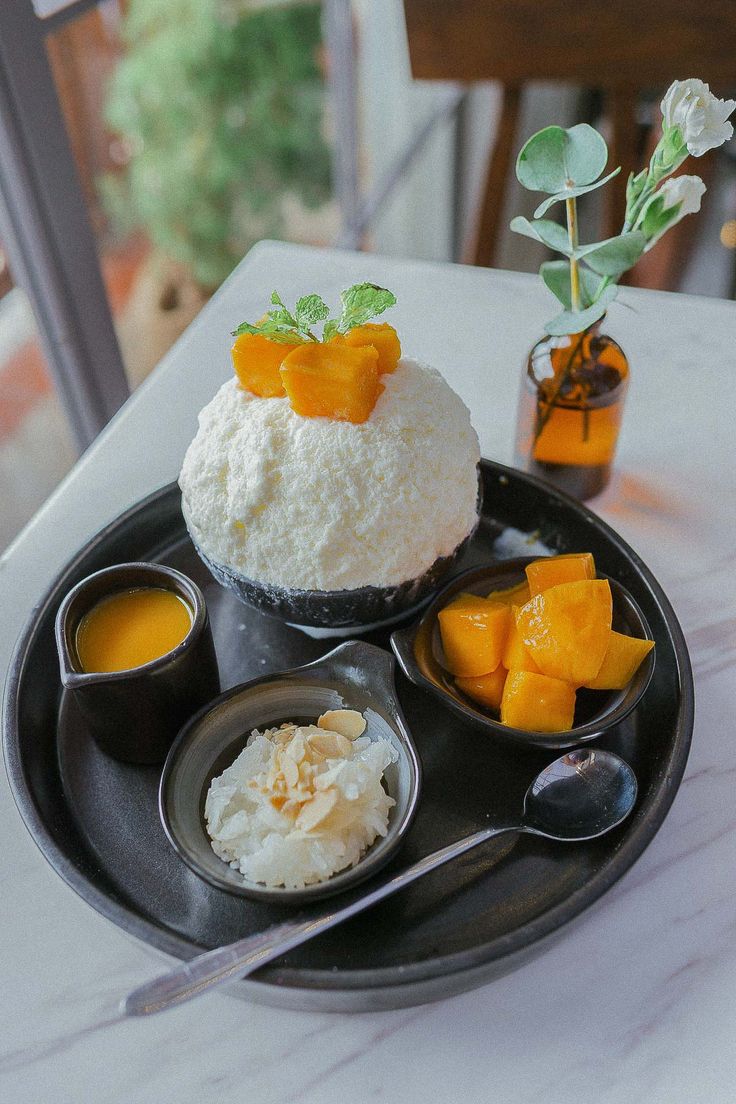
[297,785]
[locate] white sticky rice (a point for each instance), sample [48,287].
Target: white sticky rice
[300,803]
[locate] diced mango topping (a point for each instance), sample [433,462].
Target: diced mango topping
[566,629]
[382,337]
[473,636]
[552,570]
[537,703]
[515,654]
[623,657]
[555,638]
[516,595]
[464,598]
[257,361]
[335,376]
[332,381]
[487,690]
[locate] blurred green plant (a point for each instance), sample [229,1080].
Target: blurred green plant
[218,105]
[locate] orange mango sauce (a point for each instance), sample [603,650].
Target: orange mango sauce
[131,628]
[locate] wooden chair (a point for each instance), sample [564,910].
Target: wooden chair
[620,47]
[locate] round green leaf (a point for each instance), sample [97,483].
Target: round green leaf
[616,255]
[540,165]
[571,193]
[569,322]
[556,275]
[555,159]
[545,231]
[586,154]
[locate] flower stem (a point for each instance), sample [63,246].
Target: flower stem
[572,235]
[551,401]
[632,217]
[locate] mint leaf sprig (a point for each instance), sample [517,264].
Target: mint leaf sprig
[279,324]
[360,303]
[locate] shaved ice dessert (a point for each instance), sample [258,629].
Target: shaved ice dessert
[314,506]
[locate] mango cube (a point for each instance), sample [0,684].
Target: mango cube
[473,636]
[487,689]
[382,337]
[257,361]
[621,662]
[516,655]
[552,570]
[332,381]
[517,595]
[464,598]
[567,628]
[537,703]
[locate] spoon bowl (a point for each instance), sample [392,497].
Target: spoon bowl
[579,796]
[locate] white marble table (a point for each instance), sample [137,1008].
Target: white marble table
[644,1010]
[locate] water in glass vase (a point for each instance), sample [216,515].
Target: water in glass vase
[570,408]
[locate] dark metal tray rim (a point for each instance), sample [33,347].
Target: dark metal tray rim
[472,963]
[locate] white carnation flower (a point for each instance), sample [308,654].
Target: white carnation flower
[684,192]
[699,115]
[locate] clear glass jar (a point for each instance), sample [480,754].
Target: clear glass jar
[570,408]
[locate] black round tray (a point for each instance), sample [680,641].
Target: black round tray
[96,820]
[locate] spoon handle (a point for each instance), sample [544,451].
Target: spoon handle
[239,959]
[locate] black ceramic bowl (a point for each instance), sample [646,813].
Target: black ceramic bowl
[348,610]
[340,610]
[418,649]
[354,676]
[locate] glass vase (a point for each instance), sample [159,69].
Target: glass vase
[570,408]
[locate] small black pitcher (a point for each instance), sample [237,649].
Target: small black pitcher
[134,715]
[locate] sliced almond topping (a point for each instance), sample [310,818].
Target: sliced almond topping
[328,777]
[306,773]
[284,734]
[295,749]
[291,772]
[300,795]
[317,810]
[348,722]
[331,744]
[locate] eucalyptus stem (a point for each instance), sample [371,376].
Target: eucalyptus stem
[572,235]
[633,216]
[551,401]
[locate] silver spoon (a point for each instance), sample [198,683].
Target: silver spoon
[578,797]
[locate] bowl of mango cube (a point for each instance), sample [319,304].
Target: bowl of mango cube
[542,651]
